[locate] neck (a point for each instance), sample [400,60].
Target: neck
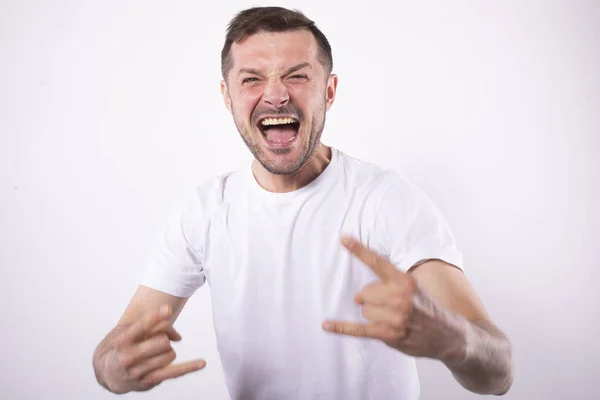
[283,183]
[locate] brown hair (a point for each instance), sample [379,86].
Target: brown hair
[271,19]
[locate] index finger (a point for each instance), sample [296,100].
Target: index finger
[144,326]
[378,264]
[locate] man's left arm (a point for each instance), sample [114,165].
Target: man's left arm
[431,311]
[485,364]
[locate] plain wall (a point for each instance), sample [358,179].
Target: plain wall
[110,112]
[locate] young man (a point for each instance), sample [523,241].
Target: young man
[327,274]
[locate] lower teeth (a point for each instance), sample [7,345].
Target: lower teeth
[285,141]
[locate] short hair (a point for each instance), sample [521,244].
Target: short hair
[271,19]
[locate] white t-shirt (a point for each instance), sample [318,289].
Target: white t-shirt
[276,270]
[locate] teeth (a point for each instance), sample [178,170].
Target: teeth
[278,121]
[285,141]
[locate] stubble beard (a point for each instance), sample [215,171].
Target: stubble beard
[308,147]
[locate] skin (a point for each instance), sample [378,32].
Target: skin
[137,354]
[432,311]
[279,73]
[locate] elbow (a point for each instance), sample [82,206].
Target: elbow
[505,384]
[497,385]
[504,377]
[495,379]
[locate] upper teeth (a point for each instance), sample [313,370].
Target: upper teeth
[278,121]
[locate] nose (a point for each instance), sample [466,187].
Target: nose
[276,93]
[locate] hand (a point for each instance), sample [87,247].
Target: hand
[142,355]
[401,314]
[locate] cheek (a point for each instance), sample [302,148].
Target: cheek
[251,92]
[310,96]
[246,102]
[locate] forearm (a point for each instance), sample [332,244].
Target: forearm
[486,367]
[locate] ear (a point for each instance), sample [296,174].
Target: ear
[332,82]
[225,93]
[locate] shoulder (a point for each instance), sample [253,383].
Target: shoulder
[203,199]
[216,189]
[379,182]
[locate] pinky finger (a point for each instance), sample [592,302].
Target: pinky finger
[372,330]
[173,371]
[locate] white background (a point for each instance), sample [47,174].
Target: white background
[110,112]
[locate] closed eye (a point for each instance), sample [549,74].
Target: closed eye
[299,77]
[249,80]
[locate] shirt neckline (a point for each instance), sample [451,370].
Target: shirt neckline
[272,197]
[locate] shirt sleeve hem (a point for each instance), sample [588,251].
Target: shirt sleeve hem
[450,256]
[165,283]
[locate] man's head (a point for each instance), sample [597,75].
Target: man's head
[278,85]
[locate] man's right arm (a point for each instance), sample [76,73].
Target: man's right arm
[137,355]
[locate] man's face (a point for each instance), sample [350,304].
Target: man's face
[278,94]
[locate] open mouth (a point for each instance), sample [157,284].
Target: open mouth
[279,131]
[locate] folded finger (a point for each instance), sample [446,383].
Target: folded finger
[377,294]
[142,328]
[151,347]
[384,315]
[153,363]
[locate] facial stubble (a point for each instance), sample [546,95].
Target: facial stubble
[308,148]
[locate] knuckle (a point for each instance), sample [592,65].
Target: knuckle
[140,326]
[400,334]
[162,340]
[359,331]
[390,335]
[406,310]
[398,322]
[149,380]
[162,326]
[135,374]
[124,361]
[398,301]
[365,311]
[371,259]
[174,373]
[119,342]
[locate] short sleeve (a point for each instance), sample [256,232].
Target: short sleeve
[175,264]
[412,229]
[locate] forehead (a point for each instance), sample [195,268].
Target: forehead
[275,50]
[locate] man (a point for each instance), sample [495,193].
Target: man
[327,274]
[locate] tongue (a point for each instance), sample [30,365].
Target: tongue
[280,134]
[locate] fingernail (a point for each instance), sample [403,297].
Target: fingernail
[327,326]
[346,240]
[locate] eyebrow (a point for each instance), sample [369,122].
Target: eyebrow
[295,68]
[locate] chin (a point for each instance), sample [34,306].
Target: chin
[281,165]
